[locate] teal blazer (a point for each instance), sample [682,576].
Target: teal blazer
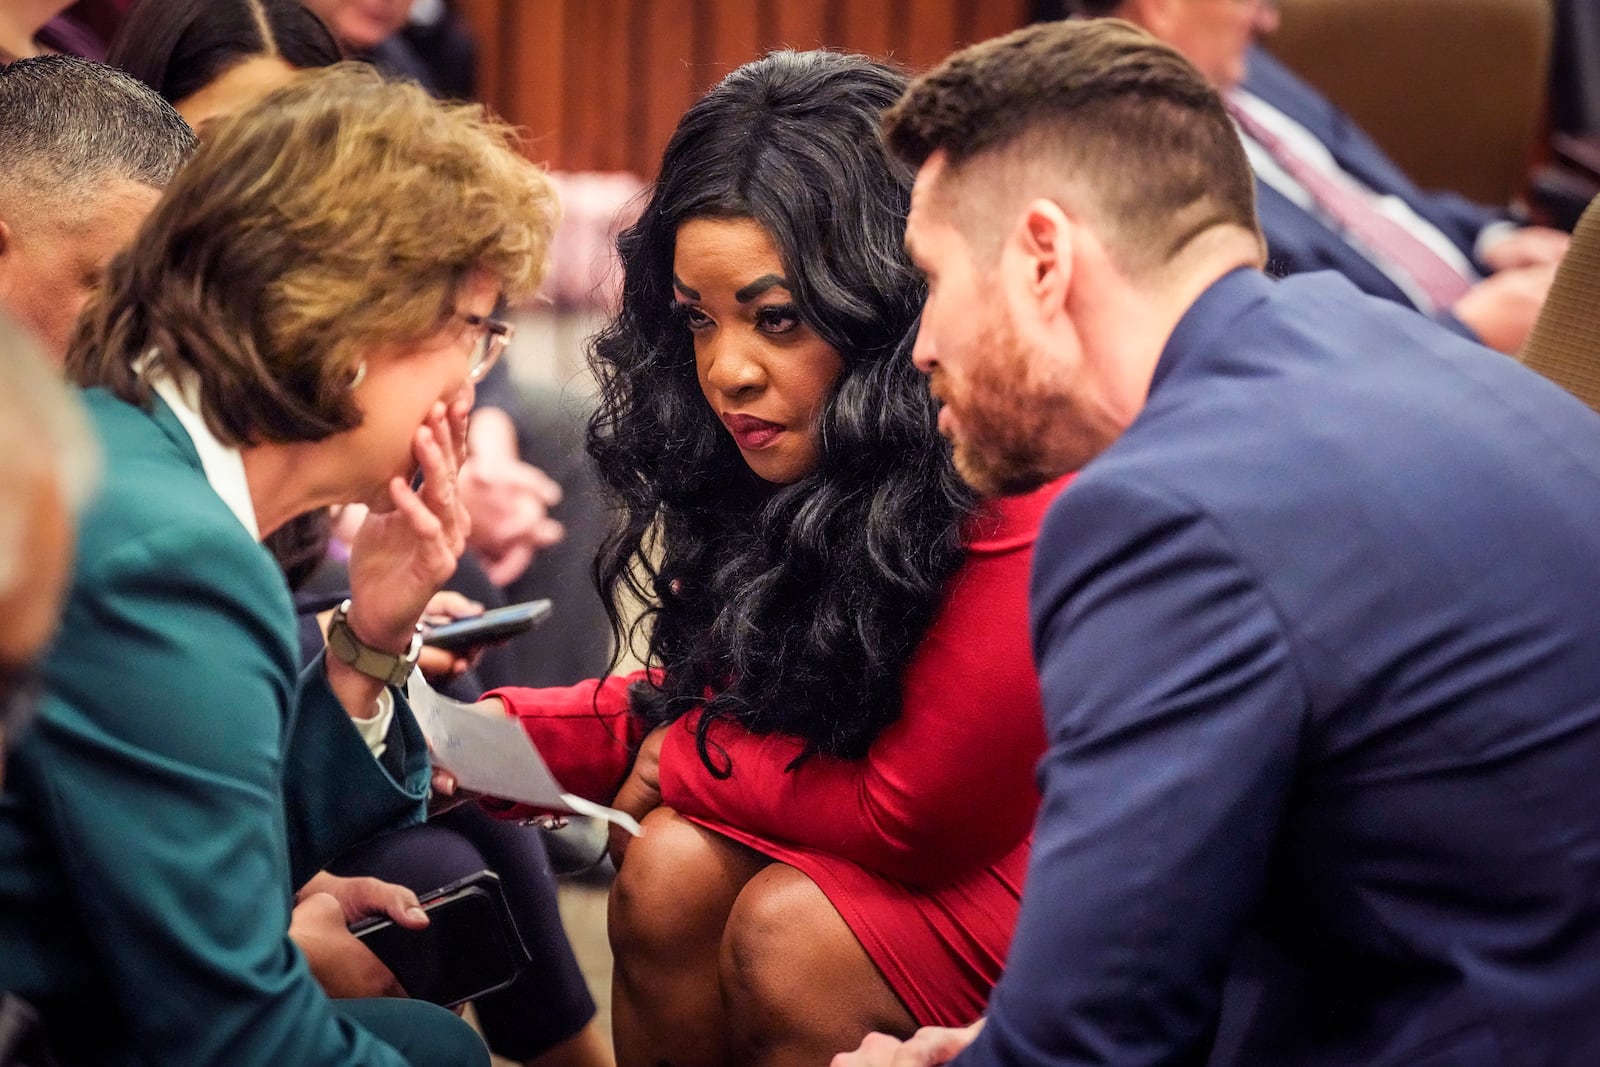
[179,783]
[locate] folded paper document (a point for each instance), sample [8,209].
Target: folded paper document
[494,756]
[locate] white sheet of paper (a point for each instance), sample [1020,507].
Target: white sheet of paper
[495,756]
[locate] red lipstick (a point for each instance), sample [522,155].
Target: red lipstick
[753,434]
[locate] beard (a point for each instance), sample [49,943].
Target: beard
[1017,424]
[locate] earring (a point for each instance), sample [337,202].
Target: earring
[361,372]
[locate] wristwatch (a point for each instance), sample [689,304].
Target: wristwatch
[387,667]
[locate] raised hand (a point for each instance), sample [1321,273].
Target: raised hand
[509,500]
[400,557]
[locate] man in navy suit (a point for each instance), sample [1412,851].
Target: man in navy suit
[1328,198]
[1317,625]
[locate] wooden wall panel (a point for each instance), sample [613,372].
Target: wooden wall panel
[986,20]
[867,26]
[931,32]
[732,34]
[666,81]
[539,65]
[798,25]
[593,99]
[600,84]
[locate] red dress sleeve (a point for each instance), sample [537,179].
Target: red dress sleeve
[946,789]
[585,733]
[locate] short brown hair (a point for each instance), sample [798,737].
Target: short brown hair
[1115,113]
[339,214]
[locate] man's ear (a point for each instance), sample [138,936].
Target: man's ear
[5,239]
[1041,248]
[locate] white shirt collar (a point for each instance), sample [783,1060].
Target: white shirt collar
[223,464]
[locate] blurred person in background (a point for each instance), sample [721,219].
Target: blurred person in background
[424,40]
[1330,199]
[20,23]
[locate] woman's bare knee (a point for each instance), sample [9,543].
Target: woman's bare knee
[676,886]
[795,980]
[669,904]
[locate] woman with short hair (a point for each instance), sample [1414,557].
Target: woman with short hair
[297,324]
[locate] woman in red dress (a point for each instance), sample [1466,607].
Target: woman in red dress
[832,750]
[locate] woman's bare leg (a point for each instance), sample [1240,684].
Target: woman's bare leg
[669,905]
[796,984]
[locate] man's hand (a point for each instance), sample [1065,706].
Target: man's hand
[342,965]
[640,793]
[928,1047]
[509,500]
[1502,308]
[1527,246]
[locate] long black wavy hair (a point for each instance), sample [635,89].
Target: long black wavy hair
[788,609]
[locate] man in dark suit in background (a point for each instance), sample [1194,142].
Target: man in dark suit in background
[1316,624]
[1330,199]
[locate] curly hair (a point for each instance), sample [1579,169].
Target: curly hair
[787,609]
[339,214]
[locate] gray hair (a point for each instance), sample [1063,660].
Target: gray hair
[44,433]
[68,125]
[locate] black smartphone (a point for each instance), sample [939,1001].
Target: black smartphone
[469,947]
[464,635]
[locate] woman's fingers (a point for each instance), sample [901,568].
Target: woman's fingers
[439,470]
[460,419]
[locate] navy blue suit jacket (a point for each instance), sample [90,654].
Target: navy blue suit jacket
[1299,241]
[1319,643]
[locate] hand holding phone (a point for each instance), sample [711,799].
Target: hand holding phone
[469,947]
[466,635]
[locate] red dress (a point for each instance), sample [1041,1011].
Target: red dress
[922,844]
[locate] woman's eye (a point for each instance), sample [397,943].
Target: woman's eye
[778,318]
[691,316]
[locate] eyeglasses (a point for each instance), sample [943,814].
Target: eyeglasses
[493,341]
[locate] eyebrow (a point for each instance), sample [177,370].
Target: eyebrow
[759,286]
[677,283]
